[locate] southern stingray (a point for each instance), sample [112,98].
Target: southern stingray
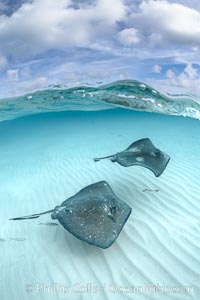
[142,153]
[94,215]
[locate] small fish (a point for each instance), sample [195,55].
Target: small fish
[18,239]
[2,240]
[48,223]
[149,190]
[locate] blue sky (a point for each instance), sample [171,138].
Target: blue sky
[71,42]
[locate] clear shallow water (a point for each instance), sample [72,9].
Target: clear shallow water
[46,158]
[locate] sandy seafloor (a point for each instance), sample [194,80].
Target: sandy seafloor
[47,158]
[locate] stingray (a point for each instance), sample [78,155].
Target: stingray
[94,215]
[142,153]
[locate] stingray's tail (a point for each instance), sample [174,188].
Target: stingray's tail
[105,157]
[32,216]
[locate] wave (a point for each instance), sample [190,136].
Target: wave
[129,94]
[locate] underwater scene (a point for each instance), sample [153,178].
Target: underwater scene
[99,191]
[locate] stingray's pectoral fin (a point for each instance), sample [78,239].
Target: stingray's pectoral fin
[111,157]
[155,161]
[35,216]
[159,166]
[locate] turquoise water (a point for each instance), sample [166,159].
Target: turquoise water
[47,157]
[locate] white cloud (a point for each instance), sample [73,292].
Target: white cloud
[166,22]
[129,37]
[3,62]
[13,75]
[31,85]
[170,74]
[190,71]
[157,69]
[188,79]
[44,24]
[120,34]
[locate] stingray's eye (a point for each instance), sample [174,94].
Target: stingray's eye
[157,153]
[68,209]
[114,158]
[113,209]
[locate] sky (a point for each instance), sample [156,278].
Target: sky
[73,42]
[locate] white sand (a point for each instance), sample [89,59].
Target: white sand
[46,159]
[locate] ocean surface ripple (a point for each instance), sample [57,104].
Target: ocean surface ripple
[129,94]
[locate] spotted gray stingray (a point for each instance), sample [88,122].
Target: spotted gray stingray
[94,215]
[142,153]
